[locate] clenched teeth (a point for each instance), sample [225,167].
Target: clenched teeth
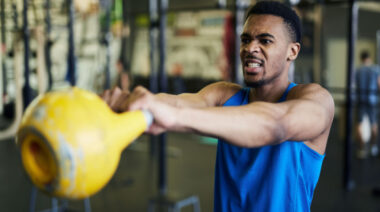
[253,65]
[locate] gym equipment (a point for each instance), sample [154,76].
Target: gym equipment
[48,44]
[42,73]
[107,5]
[70,141]
[240,6]
[18,106]
[378,46]
[3,51]
[27,90]
[71,59]
[348,181]
[163,87]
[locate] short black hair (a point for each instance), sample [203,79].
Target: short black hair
[364,55]
[278,9]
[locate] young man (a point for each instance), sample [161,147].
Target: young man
[272,134]
[367,86]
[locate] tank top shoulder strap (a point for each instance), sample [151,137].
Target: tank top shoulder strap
[285,94]
[240,98]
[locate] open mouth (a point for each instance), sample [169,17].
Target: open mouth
[253,66]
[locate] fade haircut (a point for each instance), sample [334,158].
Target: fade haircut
[290,18]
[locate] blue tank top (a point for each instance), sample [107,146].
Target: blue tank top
[271,178]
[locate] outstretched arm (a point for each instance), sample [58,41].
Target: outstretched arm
[305,116]
[212,95]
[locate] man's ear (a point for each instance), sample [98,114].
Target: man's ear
[294,49]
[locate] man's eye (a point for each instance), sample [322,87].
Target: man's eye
[265,41]
[245,40]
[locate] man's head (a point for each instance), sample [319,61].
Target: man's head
[288,15]
[269,42]
[365,57]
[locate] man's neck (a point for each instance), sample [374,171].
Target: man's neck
[367,62]
[271,92]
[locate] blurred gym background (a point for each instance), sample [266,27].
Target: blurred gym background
[175,46]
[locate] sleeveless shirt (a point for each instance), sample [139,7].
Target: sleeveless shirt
[270,178]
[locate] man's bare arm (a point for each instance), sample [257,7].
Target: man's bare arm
[307,114]
[212,95]
[163,105]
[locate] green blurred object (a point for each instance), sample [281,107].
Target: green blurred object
[142,21]
[208,140]
[117,11]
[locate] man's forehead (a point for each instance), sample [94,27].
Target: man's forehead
[263,23]
[264,19]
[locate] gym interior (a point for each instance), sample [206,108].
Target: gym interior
[176,46]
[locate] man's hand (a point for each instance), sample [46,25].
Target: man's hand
[116,99]
[141,99]
[163,113]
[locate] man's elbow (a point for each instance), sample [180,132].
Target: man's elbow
[269,135]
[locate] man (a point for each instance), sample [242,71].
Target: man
[367,84]
[272,134]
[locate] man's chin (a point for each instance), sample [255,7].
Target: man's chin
[254,84]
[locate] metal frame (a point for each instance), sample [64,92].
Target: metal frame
[163,87]
[240,8]
[71,60]
[378,46]
[55,203]
[318,20]
[153,38]
[48,44]
[27,91]
[352,36]
[106,42]
[3,50]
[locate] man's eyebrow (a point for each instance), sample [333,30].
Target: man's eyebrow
[245,35]
[262,35]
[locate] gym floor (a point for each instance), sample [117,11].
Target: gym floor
[190,164]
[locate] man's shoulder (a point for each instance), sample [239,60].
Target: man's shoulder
[375,68]
[308,86]
[222,91]
[313,93]
[364,69]
[314,90]
[223,86]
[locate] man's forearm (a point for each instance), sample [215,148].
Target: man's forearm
[184,100]
[241,126]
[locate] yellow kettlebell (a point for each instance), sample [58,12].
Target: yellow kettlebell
[71,142]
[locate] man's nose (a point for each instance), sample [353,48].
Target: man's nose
[252,47]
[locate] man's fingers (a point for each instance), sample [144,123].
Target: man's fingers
[106,96]
[120,101]
[115,98]
[139,99]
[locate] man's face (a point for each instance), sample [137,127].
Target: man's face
[266,49]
